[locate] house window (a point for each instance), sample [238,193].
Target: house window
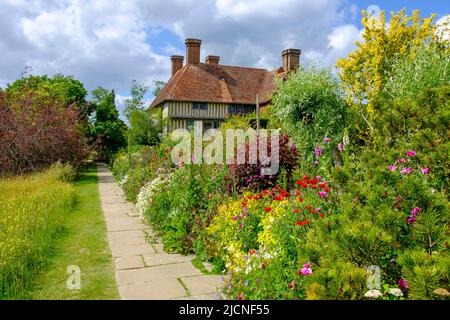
[190,125]
[240,109]
[199,106]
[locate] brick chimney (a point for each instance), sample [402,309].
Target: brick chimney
[177,63]
[212,60]
[291,59]
[193,51]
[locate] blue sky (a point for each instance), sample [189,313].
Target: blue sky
[109,43]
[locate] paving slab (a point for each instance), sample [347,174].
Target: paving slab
[162,289]
[165,258]
[129,262]
[151,274]
[143,269]
[203,284]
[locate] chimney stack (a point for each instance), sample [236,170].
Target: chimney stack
[177,63]
[214,60]
[291,59]
[193,51]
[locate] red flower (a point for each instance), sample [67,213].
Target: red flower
[305,177]
[252,251]
[263,265]
[298,182]
[297,193]
[327,189]
[323,185]
[314,187]
[291,285]
[268,209]
[322,215]
[244,204]
[276,187]
[313,211]
[279,198]
[300,199]
[297,210]
[308,207]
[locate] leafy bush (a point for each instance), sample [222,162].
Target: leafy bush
[249,176]
[32,214]
[310,106]
[184,205]
[36,132]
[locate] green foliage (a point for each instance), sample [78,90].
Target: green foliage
[33,211]
[310,107]
[65,89]
[107,129]
[158,86]
[145,125]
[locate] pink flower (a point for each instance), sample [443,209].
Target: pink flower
[391,168]
[425,170]
[326,139]
[403,284]
[411,153]
[318,151]
[415,211]
[406,170]
[402,160]
[322,194]
[307,265]
[306,271]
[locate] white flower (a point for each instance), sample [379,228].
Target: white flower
[373,294]
[147,192]
[395,292]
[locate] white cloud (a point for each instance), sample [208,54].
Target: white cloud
[112,42]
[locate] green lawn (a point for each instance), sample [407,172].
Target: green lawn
[83,244]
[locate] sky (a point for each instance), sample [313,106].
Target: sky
[110,43]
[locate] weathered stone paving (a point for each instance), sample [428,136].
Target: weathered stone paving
[144,270]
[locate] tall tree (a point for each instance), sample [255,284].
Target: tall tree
[107,129]
[144,125]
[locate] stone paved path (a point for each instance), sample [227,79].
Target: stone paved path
[144,270]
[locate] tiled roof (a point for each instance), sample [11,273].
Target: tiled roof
[220,84]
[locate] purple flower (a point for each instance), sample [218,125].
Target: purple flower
[316,163]
[340,147]
[318,151]
[403,284]
[411,153]
[406,170]
[318,209]
[326,139]
[425,170]
[322,194]
[235,218]
[391,168]
[411,219]
[319,178]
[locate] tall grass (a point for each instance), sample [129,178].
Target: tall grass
[32,213]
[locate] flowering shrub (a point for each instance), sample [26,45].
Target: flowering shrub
[245,177]
[148,192]
[260,238]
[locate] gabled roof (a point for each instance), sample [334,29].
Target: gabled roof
[220,84]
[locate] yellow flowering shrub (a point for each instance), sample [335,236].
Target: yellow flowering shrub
[364,72]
